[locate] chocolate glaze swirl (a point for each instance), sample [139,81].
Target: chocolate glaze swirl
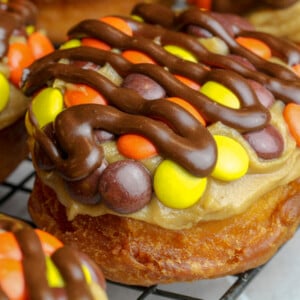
[14,15]
[188,142]
[184,140]
[282,82]
[68,261]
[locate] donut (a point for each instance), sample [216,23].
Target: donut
[170,149]
[57,16]
[21,43]
[36,265]
[279,18]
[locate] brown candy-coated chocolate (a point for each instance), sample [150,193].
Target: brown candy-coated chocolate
[267,142]
[144,86]
[125,186]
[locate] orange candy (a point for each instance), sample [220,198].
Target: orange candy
[190,83]
[9,247]
[188,107]
[203,4]
[19,57]
[90,42]
[135,146]
[118,23]
[12,279]
[137,57]
[48,241]
[40,44]
[291,115]
[256,46]
[296,69]
[82,94]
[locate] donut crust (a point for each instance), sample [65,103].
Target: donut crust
[137,253]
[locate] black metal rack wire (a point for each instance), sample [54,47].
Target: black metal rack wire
[14,194]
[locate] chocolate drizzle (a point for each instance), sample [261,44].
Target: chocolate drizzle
[14,15]
[183,139]
[68,261]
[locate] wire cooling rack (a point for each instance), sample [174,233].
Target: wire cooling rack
[14,194]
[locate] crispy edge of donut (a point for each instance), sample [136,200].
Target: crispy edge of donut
[137,253]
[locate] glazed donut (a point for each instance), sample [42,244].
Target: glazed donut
[171,145]
[57,16]
[36,265]
[21,43]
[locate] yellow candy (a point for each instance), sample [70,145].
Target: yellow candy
[4,91]
[53,276]
[175,187]
[233,160]
[73,43]
[220,94]
[47,105]
[180,52]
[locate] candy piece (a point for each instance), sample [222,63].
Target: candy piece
[220,94]
[53,276]
[181,53]
[125,186]
[135,146]
[267,143]
[40,44]
[256,46]
[144,85]
[76,94]
[86,190]
[175,187]
[9,247]
[203,4]
[49,242]
[49,98]
[11,279]
[137,57]
[19,56]
[296,69]
[4,89]
[118,23]
[264,96]
[73,43]
[90,42]
[190,83]
[188,107]
[232,160]
[291,115]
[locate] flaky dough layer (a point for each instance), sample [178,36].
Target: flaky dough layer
[134,252]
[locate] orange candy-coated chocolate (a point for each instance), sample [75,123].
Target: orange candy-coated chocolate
[291,115]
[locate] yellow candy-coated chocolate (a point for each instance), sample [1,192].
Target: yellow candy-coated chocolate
[4,91]
[53,276]
[220,94]
[73,43]
[47,105]
[232,161]
[175,187]
[181,53]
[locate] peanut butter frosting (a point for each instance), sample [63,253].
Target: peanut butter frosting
[67,150]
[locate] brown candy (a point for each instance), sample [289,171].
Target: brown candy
[125,186]
[264,96]
[86,190]
[267,142]
[144,86]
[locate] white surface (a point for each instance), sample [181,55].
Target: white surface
[278,280]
